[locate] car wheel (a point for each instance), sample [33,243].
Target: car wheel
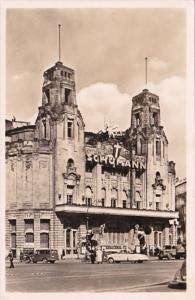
[34,261]
[111,260]
[44,260]
[52,261]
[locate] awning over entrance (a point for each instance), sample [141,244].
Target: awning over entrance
[80,209]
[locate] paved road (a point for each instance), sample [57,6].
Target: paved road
[85,277]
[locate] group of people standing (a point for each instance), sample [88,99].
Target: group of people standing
[97,255]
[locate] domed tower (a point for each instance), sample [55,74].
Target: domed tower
[147,138]
[60,125]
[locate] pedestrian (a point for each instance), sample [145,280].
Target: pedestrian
[99,255]
[93,255]
[11,258]
[21,256]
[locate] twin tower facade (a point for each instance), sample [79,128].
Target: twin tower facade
[63,181]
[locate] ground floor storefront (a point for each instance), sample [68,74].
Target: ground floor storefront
[67,232]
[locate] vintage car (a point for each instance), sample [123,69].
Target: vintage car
[168,252]
[45,255]
[126,256]
[179,281]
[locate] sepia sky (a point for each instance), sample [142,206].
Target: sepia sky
[106,48]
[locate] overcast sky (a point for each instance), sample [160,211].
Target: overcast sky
[106,48]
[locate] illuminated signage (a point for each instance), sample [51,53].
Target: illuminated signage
[116,160]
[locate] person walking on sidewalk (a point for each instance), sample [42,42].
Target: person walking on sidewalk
[99,256]
[11,258]
[93,255]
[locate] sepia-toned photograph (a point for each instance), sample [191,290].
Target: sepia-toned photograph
[96,149]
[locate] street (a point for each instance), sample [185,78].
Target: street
[77,276]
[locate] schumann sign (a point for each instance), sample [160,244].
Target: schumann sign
[116,160]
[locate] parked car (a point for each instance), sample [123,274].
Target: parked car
[180,251]
[168,252]
[126,256]
[179,281]
[45,255]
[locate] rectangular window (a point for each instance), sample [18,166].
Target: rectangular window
[74,239]
[158,148]
[67,96]
[78,132]
[12,225]
[137,119]
[69,199]
[45,224]
[89,168]
[88,201]
[70,129]
[29,237]
[28,224]
[13,240]
[68,231]
[44,240]
[157,206]
[124,203]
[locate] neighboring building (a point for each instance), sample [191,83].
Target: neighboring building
[62,180]
[180,204]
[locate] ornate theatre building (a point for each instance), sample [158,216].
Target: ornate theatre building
[62,181]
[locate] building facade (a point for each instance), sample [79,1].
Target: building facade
[180,205]
[62,181]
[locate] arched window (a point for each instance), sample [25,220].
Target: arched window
[103,199]
[114,197]
[158,175]
[70,163]
[88,196]
[124,199]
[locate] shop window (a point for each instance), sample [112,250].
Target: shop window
[68,231]
[155,239]
[29,237]
[70,129]
[74,239]
[160,239]
[44,240]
